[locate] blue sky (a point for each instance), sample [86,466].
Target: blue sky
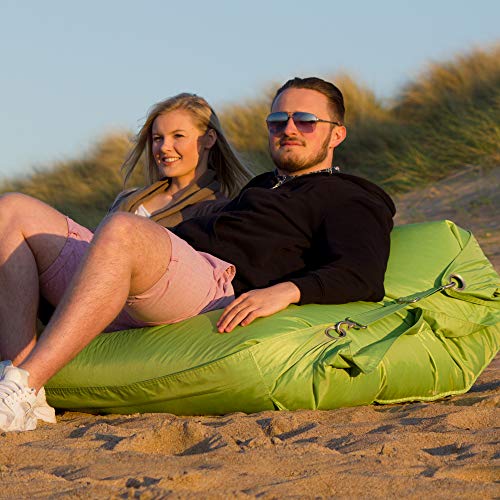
[72,71]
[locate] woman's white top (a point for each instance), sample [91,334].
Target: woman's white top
[142,211]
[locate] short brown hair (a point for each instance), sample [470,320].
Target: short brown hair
[329,90]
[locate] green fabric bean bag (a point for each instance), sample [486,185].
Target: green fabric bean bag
[426,350]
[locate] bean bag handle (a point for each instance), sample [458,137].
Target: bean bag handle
[364,320]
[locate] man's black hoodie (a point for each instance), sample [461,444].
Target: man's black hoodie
[326,233]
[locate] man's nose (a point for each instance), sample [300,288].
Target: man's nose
[290,128]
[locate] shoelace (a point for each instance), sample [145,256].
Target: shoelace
[10,388]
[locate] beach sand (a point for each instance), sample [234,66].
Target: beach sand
[444,449]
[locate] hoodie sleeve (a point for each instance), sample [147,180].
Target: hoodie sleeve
[351,247]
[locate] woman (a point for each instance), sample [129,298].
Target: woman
[190,167]
[190,170]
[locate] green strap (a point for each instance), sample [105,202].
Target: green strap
[364,320]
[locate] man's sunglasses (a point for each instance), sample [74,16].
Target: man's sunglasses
[305,122]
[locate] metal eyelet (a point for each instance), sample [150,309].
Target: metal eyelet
[456,282]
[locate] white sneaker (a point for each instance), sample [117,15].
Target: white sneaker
[19,405]
[41,410]
[16,401]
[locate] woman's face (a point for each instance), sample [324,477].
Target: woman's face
[180,148]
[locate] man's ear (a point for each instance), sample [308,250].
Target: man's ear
[210,138]
[338,135]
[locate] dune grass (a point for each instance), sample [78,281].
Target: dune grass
[447,118]
[82,188]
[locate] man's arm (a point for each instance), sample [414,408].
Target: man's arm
[353,244]
[257,304]
[351,251]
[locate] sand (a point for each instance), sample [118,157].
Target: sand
[470,198]
[444,449]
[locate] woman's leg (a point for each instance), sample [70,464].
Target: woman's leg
[128,255]
[32,235]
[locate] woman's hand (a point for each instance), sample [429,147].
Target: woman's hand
[257,304]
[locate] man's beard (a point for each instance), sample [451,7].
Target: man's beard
[291,165]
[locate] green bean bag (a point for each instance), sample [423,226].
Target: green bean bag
[428,349]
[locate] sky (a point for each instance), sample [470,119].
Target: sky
[73,71]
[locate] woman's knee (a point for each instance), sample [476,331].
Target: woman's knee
[30,216]
[14,210]
[14,203]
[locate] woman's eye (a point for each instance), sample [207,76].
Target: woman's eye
[179,135]
[156,138]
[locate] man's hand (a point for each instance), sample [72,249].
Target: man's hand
[256,304]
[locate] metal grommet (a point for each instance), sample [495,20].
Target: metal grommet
[456,282]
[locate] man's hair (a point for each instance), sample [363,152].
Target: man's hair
[329,90]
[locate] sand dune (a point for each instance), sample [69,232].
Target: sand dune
[470,198]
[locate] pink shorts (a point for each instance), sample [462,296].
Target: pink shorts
[194,283]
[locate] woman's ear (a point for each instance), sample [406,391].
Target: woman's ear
[210,138]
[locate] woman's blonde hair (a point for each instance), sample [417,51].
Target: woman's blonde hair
[231,173]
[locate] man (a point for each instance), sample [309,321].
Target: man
[304,234]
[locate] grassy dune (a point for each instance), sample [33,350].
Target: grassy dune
[447,118]
[82,188]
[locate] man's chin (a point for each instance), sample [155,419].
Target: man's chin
[288,162]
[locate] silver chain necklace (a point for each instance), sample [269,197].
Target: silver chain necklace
[285,178]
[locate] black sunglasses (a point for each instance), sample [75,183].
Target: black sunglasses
[305,122]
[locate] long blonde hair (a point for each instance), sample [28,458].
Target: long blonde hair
[230,172]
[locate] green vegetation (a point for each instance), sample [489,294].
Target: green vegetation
[448,118]
[82,188]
